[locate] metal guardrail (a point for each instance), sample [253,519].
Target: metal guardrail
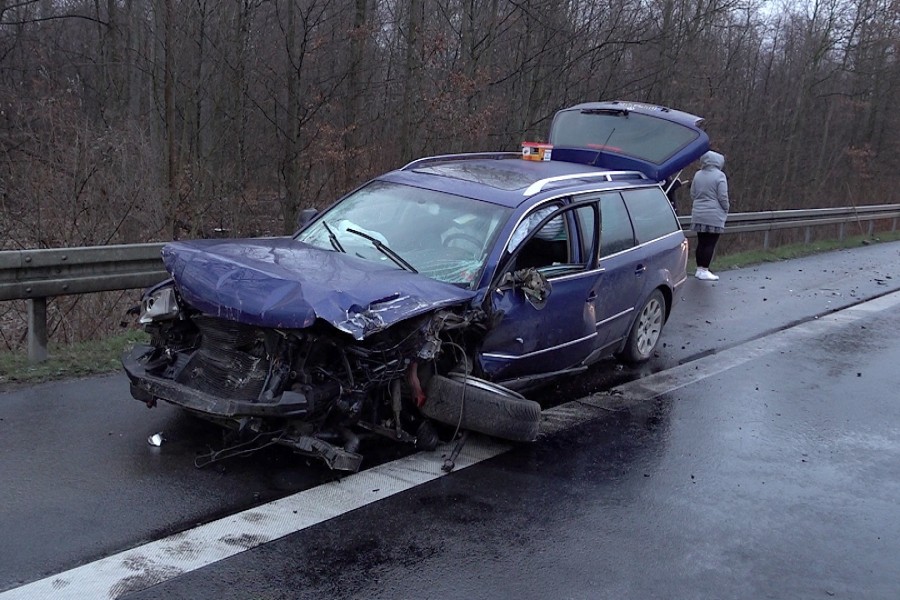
[36,275]
[61,271]
[773,220]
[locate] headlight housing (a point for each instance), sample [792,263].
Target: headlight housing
[159,305]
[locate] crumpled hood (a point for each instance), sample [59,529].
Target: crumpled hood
[283,283]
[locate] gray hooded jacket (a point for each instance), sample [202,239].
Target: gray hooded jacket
[709,192]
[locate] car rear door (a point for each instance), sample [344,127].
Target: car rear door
[663,248]
[622,264]
[641,248]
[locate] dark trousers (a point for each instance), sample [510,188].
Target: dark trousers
[706,247]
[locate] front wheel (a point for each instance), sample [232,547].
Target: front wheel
[472,403]
[646,330]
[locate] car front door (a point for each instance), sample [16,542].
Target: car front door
[534,335]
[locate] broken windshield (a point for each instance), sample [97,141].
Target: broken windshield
[439,235]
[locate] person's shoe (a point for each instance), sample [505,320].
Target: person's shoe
[705,275]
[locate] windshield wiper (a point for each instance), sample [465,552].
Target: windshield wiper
[333,238]
[616,112]
[383,248]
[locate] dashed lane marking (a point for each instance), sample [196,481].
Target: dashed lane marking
[161,560]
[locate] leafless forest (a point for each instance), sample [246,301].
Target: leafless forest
[135,120]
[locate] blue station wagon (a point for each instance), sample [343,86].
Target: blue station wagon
[429,299]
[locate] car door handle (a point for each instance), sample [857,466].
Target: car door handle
[592,296]
[639,269]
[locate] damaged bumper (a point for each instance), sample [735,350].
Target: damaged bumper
[148,388]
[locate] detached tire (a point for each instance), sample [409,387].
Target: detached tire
[645,331]
[482,406]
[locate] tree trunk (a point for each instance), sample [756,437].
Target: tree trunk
[169,102]
[291,167]
[411,84]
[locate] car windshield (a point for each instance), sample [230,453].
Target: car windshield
[622,132]
[439,235]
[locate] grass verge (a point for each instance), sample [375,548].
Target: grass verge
[790,251]
[102,356]
[68,361]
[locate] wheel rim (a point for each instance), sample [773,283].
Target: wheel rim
[649,327]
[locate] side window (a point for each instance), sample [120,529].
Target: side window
[616,233]
[545,247]
[586,226]
[651,213]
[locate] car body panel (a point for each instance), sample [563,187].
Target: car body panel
[528,341]
[594,310]
[626,274]
[282,283]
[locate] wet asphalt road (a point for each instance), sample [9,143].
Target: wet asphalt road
[771,490]
[776,479]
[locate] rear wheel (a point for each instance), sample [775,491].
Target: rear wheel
[646,330]
[482,406]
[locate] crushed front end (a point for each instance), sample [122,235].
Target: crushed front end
[316,389]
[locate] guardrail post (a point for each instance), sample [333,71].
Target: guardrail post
[841,232]
[37,330]
[766,240]
[807,232]
[871,228]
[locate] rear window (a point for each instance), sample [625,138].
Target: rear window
[628,133]
[651,213]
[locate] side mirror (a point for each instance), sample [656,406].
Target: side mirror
[306,215]
[533,284]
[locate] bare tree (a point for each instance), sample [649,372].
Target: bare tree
[128,120]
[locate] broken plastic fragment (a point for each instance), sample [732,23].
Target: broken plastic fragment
[156,439]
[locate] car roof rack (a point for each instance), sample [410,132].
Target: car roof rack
[539,185]
[464,156]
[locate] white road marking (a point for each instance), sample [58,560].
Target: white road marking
[167,558]
[161,560]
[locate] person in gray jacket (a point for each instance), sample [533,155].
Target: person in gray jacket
[709,210]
